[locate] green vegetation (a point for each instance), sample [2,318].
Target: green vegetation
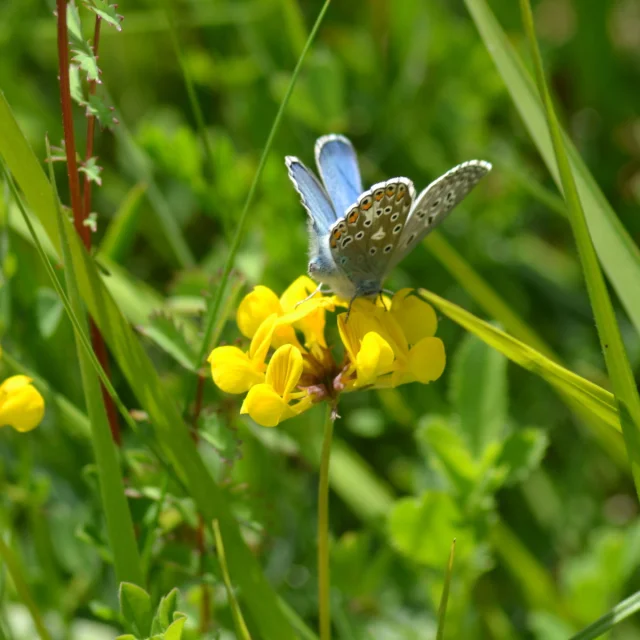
[151,508]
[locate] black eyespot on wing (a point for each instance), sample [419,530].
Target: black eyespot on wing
[372,251]
[347,241]
[431,219]
[397,228]
[436,203]
[367,223]
[410,240]
[343,260]
[387,210]
[395,216]
[359,235]
[388,248]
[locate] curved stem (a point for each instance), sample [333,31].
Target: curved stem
[324,607]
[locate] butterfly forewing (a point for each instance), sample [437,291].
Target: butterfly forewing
[435,203]
[363,241]
[312,194]
[338,166]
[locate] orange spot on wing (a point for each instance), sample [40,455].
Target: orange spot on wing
[353,217]
[391,190]
[378,196]
[366,205]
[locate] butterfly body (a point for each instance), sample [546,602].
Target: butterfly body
[356,237]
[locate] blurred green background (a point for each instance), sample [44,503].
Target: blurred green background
[545,515]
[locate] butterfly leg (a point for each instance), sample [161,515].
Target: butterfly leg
[384,304]
[313,293]
[353,299]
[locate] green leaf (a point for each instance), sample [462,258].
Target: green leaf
[450,454]
[479,393]
[86,61]
[92,170]
[174,632]
[135,606]
[166,609]
[106,11]
[49,310]
[595,398]
[522,452]
[422,528]
[620,612]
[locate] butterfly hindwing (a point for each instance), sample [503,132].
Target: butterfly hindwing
[312,194]
[363,241]
[338,166]
[436,202]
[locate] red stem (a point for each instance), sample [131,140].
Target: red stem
[80,209]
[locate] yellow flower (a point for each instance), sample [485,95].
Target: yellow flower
[21,405]
[388,348]
[383,347]
[235,371]
[308,317]
[268,403]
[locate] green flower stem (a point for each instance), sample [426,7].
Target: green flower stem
[324,607]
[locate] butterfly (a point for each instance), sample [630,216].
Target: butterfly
[356,237]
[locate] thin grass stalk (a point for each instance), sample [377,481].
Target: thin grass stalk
[236,612]
[615,355]
[442,609]
[20,583]
[324,580]
[214,309]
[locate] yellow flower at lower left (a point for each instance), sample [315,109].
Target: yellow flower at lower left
[269,403]
[21,405]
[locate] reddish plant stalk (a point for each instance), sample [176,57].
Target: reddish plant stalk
[80,211]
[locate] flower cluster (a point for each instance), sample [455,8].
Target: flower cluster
[21,405]
[386,343]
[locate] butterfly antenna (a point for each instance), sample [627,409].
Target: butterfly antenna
[313,293]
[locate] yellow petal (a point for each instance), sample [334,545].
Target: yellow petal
[284,370]
[427,360]
[261,340]
[21,405]
[233,371]
[255,308]
[265,406]
[374,359]
[362,320]
[415,316]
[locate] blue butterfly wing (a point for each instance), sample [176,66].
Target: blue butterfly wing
[338,166]
[313,196]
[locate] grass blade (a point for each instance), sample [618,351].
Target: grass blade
[605,623]
[120,233]
[496,307]
[615,355]
[170,429]
[620,257]
[597,399]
